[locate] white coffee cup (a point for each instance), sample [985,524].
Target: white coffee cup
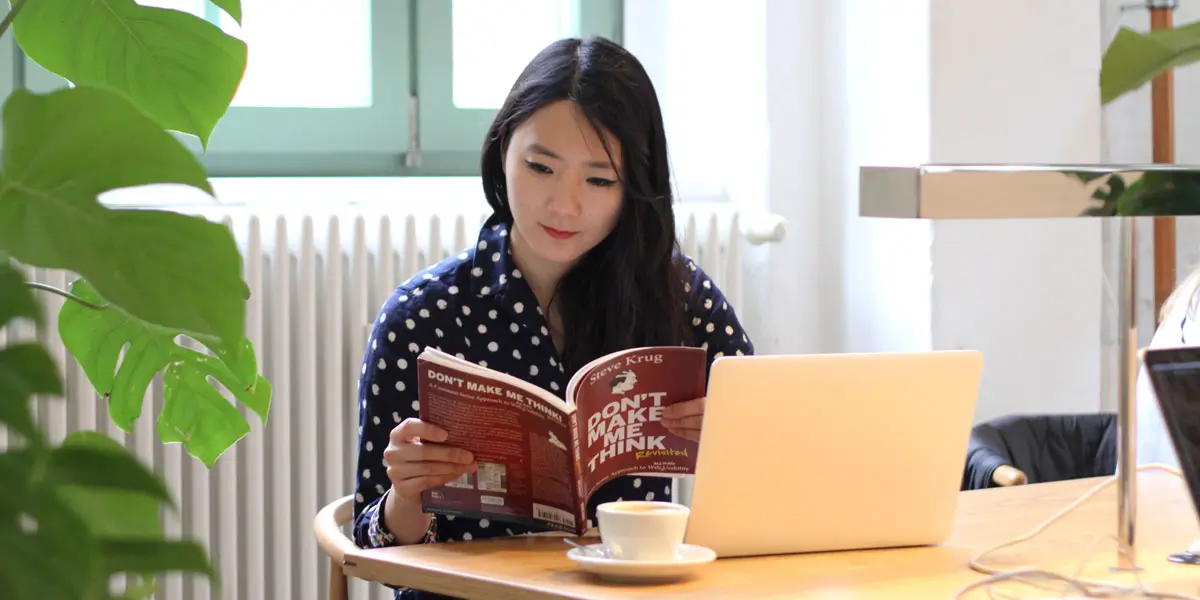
[642,530]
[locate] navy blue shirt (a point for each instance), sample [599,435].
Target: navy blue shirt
[477,306]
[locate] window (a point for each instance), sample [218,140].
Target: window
[374,87]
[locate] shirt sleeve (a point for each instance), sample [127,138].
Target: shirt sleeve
[387,394]
[715,323]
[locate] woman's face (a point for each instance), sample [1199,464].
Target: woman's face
[562,188]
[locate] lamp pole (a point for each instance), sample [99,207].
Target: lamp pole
[1162,91]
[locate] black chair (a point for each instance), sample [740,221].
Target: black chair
[1027,449]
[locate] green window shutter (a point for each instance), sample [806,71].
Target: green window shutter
[450,136]
[311,141]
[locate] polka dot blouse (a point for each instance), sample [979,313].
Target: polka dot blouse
[477,306]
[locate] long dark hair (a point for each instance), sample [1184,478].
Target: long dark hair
[628,291]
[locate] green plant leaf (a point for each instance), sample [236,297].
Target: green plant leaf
[46,551]
[65,148]
[94,460]
[63,537]
[195,413]
[178,68]
[109,512]
[154,556]
[25,370]
[232,7]
[1133,59]
[16,299]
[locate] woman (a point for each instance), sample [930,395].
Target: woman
[578,259]
[1179,326]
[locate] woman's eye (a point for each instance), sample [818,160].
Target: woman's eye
[600,182]
[538,167]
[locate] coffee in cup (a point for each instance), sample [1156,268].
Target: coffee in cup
[642,530]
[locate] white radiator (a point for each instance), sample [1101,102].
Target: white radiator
[317,280]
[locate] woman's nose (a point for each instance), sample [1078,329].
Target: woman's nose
[566,200]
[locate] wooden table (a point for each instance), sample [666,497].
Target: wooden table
[536,567]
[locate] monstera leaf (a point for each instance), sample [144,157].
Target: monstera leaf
[72,515]
[195,412]
[178,68]
[61,151]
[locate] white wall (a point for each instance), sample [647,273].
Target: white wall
[735,82]
[850,82]
[883,99]
[1016,81]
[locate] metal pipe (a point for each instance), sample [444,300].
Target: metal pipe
[1127,401]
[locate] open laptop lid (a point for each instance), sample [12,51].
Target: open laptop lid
[1175,377]
[842,451]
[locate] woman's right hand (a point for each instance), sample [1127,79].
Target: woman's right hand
[414,466]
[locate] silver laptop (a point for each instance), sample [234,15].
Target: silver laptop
[810,453]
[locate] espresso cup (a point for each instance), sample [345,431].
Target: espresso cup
[642,530]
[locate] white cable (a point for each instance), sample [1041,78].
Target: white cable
[1041,578]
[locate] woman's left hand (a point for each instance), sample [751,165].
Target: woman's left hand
[684,418]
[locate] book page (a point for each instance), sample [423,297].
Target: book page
[619,405]
[521,443]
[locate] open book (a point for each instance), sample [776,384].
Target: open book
[541,458]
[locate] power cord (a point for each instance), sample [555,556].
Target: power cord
[1064,585]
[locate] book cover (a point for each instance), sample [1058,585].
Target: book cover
[620,400]
[539,457]
[519,434]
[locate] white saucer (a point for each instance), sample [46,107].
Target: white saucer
[690,558]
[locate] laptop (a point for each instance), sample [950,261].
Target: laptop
[815,453]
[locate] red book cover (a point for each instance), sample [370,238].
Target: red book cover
[541,458]
[620,399]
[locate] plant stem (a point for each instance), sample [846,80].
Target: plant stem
[12,14]
[65,294]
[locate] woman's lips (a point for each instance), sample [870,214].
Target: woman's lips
[558,234]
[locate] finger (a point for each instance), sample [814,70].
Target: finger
[400,474]
[412,488]
[411,429]
[691,422]
[683,409]
[402,453]
[687,433]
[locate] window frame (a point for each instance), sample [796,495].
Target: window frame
[452,136]
[412,128]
